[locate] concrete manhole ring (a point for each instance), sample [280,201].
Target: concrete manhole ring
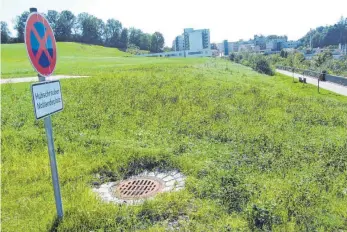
[136,189]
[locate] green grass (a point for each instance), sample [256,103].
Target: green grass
[259,152]
[73,59]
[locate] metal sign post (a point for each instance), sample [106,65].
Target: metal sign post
[47,98]
[54,169]
[51,151]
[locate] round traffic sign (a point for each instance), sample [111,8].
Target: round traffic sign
[40,44]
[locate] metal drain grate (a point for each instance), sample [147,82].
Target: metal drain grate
[138,188]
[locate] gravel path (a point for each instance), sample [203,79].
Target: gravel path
[35,79]
[340,89]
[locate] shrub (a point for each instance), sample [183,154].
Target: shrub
[232,56]
[238,58]
[263,66]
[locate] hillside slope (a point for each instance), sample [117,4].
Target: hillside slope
[260,153]
[15,62]
[80,59]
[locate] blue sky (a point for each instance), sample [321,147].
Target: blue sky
[232,20]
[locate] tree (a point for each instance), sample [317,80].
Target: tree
[92,29]
[5,33]
[145,41]
[321,58]
[19,26]
[135,36]
[63,26]
[52,16]
[124,39]
[157,42]
[328,35]
[113,33]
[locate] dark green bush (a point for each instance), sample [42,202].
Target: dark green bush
[238,58]
[263,66]
[232,56]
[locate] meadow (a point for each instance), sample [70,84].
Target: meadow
[73,59]
[260,153]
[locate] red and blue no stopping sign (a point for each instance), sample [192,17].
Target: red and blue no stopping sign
[40,44]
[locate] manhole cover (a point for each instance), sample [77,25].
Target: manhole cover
[138,188]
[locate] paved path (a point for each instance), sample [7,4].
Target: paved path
[340,89]
[34,79]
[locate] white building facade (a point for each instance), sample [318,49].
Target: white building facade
[196,39]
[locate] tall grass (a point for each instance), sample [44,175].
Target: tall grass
[259,152]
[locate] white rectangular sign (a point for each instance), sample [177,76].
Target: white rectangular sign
[47,98]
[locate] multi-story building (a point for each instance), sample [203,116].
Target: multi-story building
[267,44]
[260,41]
[193,40]
[290,44]
[275,44]
[178,43]
[248,47]
[232,47]
[173,45]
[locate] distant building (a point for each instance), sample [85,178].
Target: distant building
[291,44]
[248,47]
[180,54]
[196,39]
[192,43]
[192,40]
[275,44]
[232,47]
[262,44]
[245,48]
[260,41]
[178,43]
[226,47]
[343,49]
[173,45]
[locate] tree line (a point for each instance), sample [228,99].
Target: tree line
[86,28]
[328,35]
